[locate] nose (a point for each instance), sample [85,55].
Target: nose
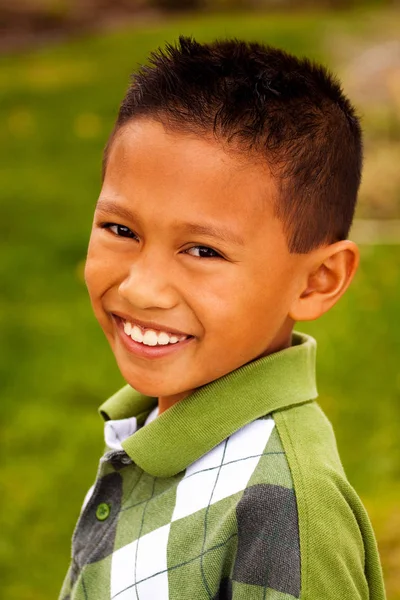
[149,283]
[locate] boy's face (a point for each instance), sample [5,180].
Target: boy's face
[184,241]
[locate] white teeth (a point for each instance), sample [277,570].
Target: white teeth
[150,337]
[163,338]
[136,334]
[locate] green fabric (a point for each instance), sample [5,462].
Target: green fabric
[202,547]
[338,548]
[126,403]
[235,493]
[213,412]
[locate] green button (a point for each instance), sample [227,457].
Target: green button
[103,511]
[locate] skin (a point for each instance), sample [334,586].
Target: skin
[239,304]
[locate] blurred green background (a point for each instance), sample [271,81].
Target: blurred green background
[59,96]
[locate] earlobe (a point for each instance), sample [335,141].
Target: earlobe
[329,275]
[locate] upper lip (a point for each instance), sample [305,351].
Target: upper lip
[150,324]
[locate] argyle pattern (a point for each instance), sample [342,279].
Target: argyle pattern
[235,492]
[225,527]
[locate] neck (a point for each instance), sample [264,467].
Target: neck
[166,402]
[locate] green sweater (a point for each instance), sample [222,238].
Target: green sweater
[236,492]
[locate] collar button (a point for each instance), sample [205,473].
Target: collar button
[103,511]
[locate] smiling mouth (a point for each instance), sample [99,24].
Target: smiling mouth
[150,337]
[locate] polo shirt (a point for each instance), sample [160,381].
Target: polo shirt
[236,492]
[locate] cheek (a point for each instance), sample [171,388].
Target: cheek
[226,306]
[90,265]
[98,282]
[101,268]
[251,305]
[93,276]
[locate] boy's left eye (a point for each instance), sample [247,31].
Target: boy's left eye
[203,252]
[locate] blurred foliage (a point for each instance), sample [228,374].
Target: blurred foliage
[57,107]
[28,21]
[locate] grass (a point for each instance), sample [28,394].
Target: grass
[57,107]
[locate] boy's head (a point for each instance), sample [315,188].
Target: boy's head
[230,182]
[265,106]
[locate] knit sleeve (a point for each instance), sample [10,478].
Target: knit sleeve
[339,557]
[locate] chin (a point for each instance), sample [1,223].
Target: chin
[149,387]
[145,388]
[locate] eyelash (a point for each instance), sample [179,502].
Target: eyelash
[131,235]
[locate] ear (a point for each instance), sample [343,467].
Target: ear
[328,275]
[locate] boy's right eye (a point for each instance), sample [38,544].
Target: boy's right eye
[119,230]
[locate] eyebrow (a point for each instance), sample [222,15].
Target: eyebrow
[108,206]
[211,230]
[226,235]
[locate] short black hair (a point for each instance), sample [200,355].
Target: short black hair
[262,101]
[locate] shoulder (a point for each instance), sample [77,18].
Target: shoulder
[336,539]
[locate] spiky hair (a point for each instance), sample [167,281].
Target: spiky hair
[262,102]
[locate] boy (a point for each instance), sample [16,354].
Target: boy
[229,188]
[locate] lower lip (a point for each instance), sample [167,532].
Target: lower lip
[147,351]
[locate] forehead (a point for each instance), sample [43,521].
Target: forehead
[151,168]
